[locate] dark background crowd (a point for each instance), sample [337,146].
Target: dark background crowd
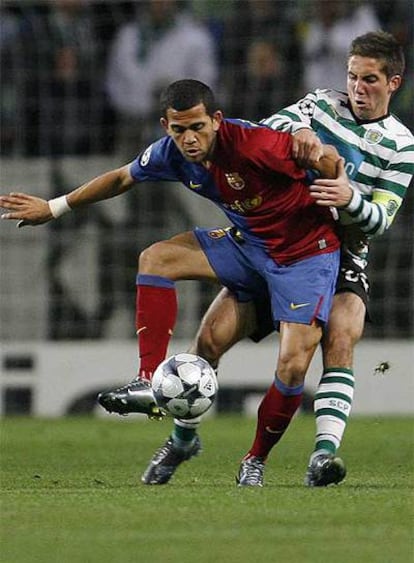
[82,76]
[80,82]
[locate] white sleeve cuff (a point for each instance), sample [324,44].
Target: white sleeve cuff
[355,203]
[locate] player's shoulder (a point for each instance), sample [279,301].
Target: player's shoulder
[396,129]
[237,124]
[324,101]
[159,152]
[252,141]
[248,135]
[391,136]
[245,129]
[330,97]
[249,138]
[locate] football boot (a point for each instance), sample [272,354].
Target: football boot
[134,397]
[251,472]
[325,469]
[166,460]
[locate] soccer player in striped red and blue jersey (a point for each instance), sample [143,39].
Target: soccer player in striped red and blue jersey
[281,243]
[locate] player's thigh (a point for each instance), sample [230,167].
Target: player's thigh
[298,343]
[225,323]
[344,329]
[178,258]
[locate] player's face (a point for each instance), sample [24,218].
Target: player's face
[369,89]
[193,131]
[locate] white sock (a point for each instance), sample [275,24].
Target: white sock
[332,406]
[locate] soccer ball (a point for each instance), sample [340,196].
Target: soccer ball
[184,385]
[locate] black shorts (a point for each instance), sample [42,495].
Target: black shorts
[352,279]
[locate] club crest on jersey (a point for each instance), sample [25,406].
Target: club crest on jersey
[235,181]
[146,156]
[392,207]
[217,233]
[373,136]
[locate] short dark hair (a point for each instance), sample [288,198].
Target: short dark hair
[185,94]
[382,46]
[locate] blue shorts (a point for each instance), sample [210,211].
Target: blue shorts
[300,292]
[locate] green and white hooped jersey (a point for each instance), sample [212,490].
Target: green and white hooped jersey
[379,155]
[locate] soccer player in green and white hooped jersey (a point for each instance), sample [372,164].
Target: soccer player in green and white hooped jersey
[379,161]
[378,153]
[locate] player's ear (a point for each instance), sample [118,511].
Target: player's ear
[217,119]
[164,123]
[395,82]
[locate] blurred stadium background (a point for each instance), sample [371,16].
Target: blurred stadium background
[67,114]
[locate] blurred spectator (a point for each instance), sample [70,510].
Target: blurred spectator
[63,86]
[9,91]
[263,58]
[332,26]
[162,43]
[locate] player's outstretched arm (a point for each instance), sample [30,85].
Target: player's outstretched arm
[32,210]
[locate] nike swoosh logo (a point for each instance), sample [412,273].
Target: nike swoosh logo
[194,186]
[271,431]
[295,306]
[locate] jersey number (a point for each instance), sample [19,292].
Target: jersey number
[357,277]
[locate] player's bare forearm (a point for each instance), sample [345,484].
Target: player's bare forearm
[102,187]
[32,210]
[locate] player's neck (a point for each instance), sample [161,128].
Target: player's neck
[207,162]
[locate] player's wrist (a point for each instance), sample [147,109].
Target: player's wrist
[59,206]
[355,203]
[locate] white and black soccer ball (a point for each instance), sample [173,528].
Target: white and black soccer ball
[184,385]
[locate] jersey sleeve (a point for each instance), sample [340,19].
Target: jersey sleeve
[155,163]
[374,217]
[294,117]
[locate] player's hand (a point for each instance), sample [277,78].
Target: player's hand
[307,149]
[26,209]
[333,193]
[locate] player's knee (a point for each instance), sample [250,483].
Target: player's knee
[291,369]
[154,260]
[207,344]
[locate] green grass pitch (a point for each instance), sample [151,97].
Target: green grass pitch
[71,493]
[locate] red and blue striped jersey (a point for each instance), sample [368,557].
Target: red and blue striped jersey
[256,183]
